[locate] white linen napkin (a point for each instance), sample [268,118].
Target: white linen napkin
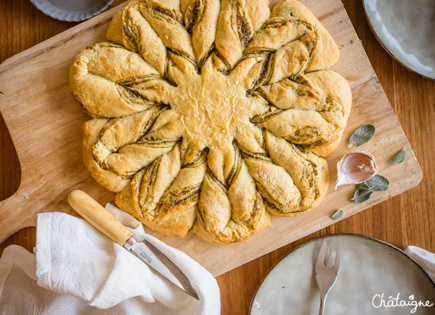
[78,270]
[424,258]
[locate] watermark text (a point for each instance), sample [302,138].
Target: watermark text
[379,301]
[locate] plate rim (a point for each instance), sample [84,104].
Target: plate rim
[332,235]
[378,38]
[71,16]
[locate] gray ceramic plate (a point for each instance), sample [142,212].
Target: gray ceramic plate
[406,29]
[371,271]
[71,10]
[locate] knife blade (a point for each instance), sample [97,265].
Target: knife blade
[104,221]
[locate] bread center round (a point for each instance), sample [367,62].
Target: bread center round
[211,107]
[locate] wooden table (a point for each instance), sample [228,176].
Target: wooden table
[407,219]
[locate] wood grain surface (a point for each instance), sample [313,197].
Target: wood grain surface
[44,123]
[407,219]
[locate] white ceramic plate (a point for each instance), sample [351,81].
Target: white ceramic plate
[371,271]
[406,29]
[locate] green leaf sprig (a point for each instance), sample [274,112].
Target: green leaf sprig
[399,158]
[365,189]
[378,183]
[362,135]
[337,214]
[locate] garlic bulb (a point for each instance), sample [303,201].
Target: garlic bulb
[355,168]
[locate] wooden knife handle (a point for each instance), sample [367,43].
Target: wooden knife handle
[98,216]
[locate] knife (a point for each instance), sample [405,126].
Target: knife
[104,221]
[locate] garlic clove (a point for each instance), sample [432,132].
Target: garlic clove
[355,168]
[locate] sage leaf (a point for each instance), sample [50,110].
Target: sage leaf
[362,135]
[378,182]
[337,214]
[362,195]
[399,158]
[363,186]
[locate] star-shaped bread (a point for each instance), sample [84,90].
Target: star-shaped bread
[208,115]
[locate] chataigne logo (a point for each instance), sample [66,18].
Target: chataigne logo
[379,301]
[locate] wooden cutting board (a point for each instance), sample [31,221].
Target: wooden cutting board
[45,125]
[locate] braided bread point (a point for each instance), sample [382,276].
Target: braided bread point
[208,115]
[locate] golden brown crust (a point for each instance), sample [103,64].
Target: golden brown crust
[208,115]
[326,53]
